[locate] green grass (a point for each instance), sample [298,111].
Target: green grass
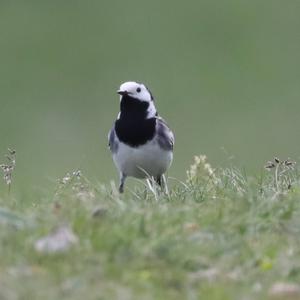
[218,235]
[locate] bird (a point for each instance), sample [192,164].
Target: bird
[140,141]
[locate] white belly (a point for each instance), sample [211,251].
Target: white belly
[143,161]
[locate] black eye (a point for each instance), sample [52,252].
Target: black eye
[138,90]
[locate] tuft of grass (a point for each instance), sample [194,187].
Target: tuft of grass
[218,235]
[9,167]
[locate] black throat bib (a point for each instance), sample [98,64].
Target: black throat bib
[133,128]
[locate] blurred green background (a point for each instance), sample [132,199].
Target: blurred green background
[225,74]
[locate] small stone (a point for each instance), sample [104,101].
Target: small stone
[99,212]
[60,240]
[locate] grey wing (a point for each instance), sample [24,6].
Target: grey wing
[113,140]
[165,136]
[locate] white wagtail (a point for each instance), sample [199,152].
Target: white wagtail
[140,141]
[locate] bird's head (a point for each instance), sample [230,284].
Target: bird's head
[136,91]
[136,98]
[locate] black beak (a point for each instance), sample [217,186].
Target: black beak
[122,93]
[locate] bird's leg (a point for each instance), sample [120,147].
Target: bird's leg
[161,181]
[122,182]
[165,184]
